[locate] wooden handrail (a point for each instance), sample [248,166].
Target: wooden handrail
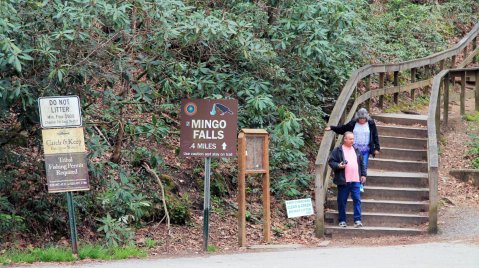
[433,125]
[321,167]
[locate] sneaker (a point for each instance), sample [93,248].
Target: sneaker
[358,224]
[343,224]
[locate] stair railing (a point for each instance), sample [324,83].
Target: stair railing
[347,104]
[442,82]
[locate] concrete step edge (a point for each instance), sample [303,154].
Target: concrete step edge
[418,215]
[402,149]
[398,202]
[404,138]
[379,173]
[402,116]
[410,189]
[397,161]
[403,127]
[377,228]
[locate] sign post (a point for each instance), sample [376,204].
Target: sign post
[64,149]
[206,202]
[208,129]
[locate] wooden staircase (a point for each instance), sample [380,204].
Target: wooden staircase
[395,198]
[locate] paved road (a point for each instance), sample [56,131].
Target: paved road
[420,255]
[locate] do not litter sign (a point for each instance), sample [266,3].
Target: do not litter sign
[60,111]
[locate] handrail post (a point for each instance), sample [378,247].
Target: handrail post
[462,96]
[396,84]
[477,91]
[368,88]
[453,62]
[319,200]
[474,46]
[413,79]
[381,85]
[438,110]
[446,99]
[433,204]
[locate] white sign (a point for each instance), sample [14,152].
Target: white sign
[299,207]
[60,111]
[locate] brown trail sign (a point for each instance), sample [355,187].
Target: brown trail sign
[208,128]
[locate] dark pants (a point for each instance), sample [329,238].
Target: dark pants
[343,193]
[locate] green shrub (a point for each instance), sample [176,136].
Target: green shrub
[179,210]
[115,231]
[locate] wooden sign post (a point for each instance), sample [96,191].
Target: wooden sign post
[253,158]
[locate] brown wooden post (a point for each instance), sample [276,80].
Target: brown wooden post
[438,110]
[433,174]
[253,158]
[452,66]
[368,88]
[381,85]
[413,79]
[464,55]
[396,84]
[266,193]
[477,92]
[446,99]
[453,62]
[474,46]
[462,96]
[241,190]
[441,65]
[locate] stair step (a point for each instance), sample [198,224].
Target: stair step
[400,131]
[403,143]
[397,165]
[371,231]
[396,179]
[395,193]
[379,219]
[402,119]
[403,154]
[390,206]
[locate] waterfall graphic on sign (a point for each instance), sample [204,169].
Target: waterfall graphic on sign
[213,110]
[222,109]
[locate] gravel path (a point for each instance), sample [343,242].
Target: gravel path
[459,214]
[459,223]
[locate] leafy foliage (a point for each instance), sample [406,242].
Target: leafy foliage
[474,151]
